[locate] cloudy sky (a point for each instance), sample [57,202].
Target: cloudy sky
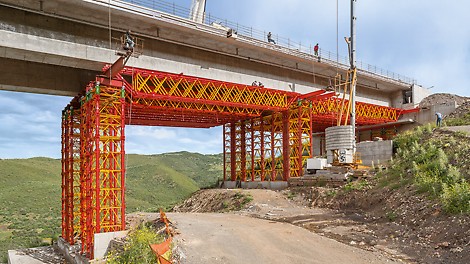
[427,40]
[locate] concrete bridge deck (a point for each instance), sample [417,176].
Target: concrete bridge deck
[57,46]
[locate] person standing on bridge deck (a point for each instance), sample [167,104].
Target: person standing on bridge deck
[270,38]
[439,119]
[315,50]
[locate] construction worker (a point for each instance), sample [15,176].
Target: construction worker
[270,38]
[439,119]
[128,41]
[315,50]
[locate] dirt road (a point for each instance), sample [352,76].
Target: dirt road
[231,238]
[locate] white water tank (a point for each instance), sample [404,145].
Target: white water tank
[340,144]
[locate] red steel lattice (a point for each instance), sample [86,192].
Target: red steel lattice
[267,136]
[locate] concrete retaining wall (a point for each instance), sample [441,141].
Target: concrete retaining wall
[375,152]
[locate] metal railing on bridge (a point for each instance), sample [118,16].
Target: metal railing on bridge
[293,47]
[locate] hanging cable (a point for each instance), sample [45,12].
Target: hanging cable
[109,29]
[337,37]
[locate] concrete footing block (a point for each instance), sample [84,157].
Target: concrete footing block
[272,185]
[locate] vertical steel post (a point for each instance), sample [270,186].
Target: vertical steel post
[252,150]
[310,117]
[64,174]
[353,67]
[225,151]
[233,157]
[123,159]
[243,151]
[96,124]
[262,174]
[285,146]
[273,151]
[299,137]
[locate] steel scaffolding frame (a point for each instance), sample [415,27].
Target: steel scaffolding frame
[70,173]
[102,163]
[67,191]
[266,136]
[273,147]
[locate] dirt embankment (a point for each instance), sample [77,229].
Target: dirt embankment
[442,98]
[461,111]
[398,223]
[214,201]
[408,221]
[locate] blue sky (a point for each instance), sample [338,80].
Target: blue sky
[428,40]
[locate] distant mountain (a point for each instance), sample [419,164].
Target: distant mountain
[30,191]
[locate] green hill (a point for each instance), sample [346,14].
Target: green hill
[30,191]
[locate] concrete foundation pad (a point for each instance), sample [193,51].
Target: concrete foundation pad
[15,257]
[230,184]
[72,252]
[36,255]
[272,185]
[102,242]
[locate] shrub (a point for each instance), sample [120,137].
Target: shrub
[137,249]
[456,197]
[391,216]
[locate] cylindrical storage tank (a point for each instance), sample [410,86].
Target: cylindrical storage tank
[339,137]
[340,144]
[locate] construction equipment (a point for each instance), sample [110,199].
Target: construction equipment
[127,46]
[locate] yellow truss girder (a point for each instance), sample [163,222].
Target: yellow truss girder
[214,91]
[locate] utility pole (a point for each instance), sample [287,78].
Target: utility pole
[352,58]
[198,8]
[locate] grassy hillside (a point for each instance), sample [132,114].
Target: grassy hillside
[435,161]
[30,202]
[30,191]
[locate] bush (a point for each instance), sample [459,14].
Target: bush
[137,247]
[456,197]
[391,216]
[458,121]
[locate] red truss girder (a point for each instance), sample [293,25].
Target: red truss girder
[155,115]
[204,81]
[169,97]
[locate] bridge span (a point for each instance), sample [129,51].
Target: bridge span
[57,46]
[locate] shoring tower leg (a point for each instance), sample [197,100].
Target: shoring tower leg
[103,168]
[233,151]
[67,195]
[285,146]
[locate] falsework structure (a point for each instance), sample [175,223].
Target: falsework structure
[267,136]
